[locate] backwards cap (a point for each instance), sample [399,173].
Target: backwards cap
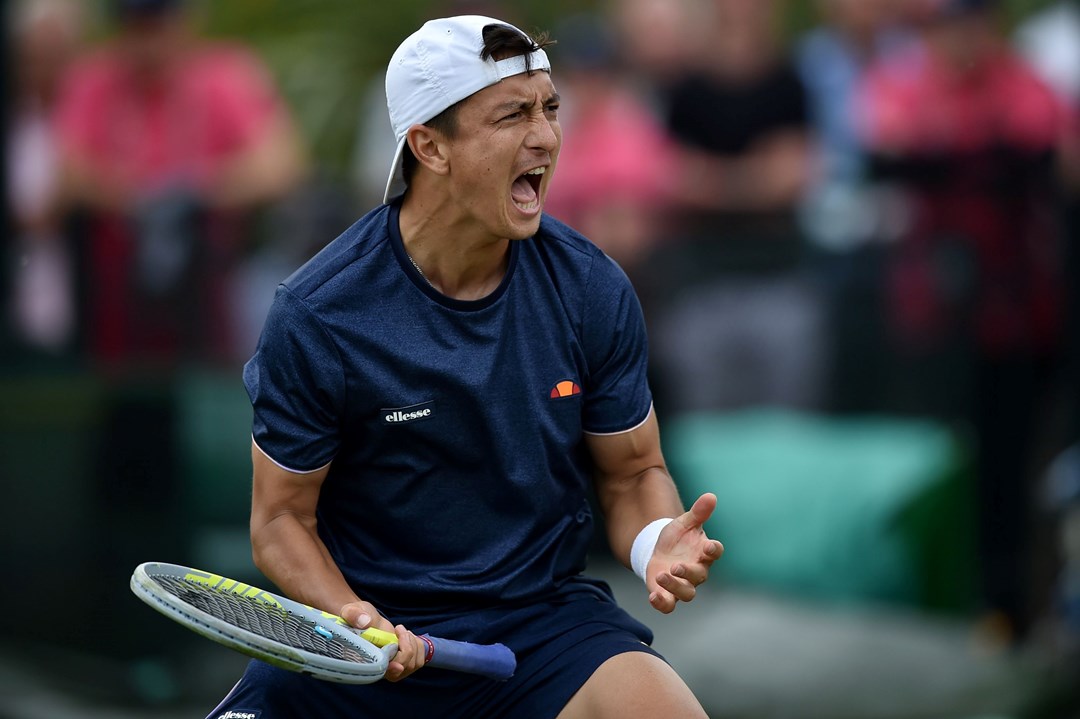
[438,66]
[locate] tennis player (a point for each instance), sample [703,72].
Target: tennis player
[434,394]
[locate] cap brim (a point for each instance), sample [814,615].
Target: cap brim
[395,184]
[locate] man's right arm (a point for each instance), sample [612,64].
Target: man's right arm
[286,547]
[284,541]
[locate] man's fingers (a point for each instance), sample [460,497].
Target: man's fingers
[681,589]
[700,512]
[362,616]
[356,616]
[713,550]
[696,574]
[690,554]
[411,651]
[410,656]
[670,591]
[662,601]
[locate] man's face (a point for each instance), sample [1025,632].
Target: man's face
[504,152]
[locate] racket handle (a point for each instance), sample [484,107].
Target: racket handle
[495,661]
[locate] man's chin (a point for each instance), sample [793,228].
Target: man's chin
[529,229]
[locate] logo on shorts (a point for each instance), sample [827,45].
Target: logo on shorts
[239,714]
[566,388]
[412,413]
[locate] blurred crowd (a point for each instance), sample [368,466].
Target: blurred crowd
[878,214]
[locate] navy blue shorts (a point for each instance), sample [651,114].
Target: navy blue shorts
[558,643]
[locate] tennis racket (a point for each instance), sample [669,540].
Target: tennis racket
[292,635]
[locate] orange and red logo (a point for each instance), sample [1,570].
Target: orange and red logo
[566,388]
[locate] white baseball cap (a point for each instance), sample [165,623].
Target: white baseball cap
[440,65]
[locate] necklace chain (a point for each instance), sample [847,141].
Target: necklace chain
[417,267]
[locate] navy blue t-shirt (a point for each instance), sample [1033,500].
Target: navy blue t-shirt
[453,429]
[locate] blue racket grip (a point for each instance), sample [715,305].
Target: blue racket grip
[495,661]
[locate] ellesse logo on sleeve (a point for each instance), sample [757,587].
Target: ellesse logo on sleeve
[412,413]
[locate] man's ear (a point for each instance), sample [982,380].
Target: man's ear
[429,148]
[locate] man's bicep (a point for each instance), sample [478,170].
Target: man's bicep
[277,491]
[632,483]
[625,455]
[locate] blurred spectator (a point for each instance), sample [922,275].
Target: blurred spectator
[656,40]
[741,117]
[169,140]
[170,143]
[847,218]
[614,175]
[832,60]
[45,35]
[742,325]
[975,284]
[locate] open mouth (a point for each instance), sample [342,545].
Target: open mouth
[526,189]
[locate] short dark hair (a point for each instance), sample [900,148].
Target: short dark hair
[500,42]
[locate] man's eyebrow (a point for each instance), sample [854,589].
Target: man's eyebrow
[525,104]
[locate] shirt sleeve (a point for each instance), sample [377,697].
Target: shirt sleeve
[296,385]
[617,394]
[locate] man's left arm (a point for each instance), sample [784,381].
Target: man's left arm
[635,489]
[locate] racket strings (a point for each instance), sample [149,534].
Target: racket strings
[266,620]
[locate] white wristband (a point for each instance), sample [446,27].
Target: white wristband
[644,544]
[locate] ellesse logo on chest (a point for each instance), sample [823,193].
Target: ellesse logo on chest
[412,413]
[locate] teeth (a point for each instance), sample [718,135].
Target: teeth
[537,171]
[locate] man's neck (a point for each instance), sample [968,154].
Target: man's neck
[455,255]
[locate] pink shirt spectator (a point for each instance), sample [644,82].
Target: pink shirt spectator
[615,150]
[614,174]
[916,104]
[180,132]
[974,147]
[146,142]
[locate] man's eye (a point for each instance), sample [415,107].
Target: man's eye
[553,108]
[512,116]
